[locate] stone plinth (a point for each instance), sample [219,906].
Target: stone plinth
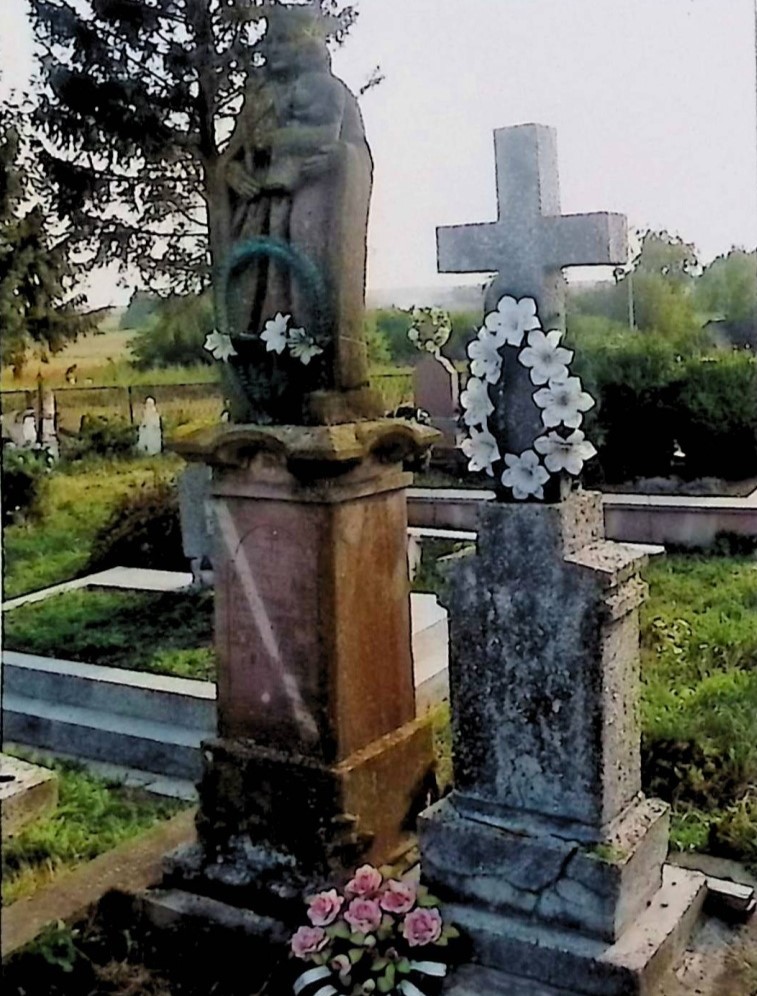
[319,760]
[27,793]
[547,841]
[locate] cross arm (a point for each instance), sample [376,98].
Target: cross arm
[469,248]
[586,240]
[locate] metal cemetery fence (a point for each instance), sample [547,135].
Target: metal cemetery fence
[177,403]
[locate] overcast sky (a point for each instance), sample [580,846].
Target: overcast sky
[653,100]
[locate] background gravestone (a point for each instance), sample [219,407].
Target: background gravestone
[150,435]
[436,388]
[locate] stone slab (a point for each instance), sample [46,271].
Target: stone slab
[148,781]
[129,578]
[655,519]
[523,952]
[599,891]
[133,866]
[138,743]
[27,793]
[174,909]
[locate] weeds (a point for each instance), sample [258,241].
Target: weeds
[164,633]
[93,816]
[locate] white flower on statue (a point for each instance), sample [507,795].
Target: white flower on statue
[565,454]
[476,402]
[275,335]
[302,346]
[486,363]
[545,356]
[525,476]
[482,451]
[220,346]
[512,320]
[563,403]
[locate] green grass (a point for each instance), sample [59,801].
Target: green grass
[164,633]
[93,816]
[699,699]
[53,545]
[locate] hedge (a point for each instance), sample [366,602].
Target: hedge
[654,398]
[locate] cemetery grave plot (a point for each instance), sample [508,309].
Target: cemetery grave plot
[699,648]
[92,817]
[54,542]
[162,633]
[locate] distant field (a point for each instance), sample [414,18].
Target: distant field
[93,355]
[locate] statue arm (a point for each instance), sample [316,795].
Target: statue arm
[246,138]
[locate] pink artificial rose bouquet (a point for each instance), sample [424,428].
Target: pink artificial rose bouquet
[380,934]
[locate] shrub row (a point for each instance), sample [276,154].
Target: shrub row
[653,400]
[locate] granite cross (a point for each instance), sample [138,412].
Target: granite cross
[528,246]
[531,241]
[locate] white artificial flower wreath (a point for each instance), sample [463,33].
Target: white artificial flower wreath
[562,400]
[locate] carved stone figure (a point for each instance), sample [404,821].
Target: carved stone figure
[298,175]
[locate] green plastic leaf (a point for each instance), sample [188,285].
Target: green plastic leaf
[403,966]
[355,954]
[338,930]
[428,900]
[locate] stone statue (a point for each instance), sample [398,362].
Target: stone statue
[297,176]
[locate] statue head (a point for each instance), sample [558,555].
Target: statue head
[295,41]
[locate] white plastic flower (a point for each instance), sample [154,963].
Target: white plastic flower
[274,335]
[545,356]
[512,320]
[565,454]
[525,476]
[220,346]
[563,402]
[486,363]
[303,346]
[476,402]
[482,451]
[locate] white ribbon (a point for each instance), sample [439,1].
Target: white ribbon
[409,989]
[435,968]
[327,991]
[313,975]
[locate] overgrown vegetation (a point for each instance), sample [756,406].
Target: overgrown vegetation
[165,632]
[654,394]
[73,504]
[699,706]
[22,474]
[143,530]
[93,816]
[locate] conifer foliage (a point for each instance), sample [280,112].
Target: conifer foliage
[140,97]
[39,306]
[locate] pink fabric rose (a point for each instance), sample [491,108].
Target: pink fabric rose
[363,915]
[422,926]
[324,908]
[367,882]
[398,897]
[308,940]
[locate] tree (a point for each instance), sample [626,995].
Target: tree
[727,294]
[175,333]
[39,307]
[139,101]
[662,279]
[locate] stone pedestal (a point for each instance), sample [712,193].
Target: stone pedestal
[319,761]
[547,851]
